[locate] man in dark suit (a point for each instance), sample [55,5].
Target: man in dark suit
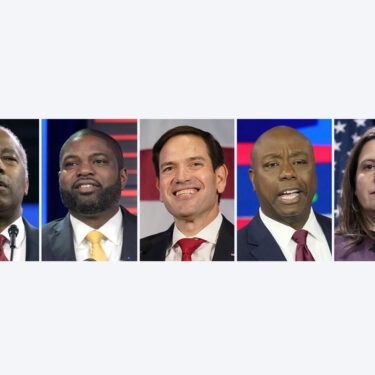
[14,185]
[91,178]
[283,176]
[191,175]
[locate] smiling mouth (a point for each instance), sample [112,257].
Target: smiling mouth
[86,187]
[186,192]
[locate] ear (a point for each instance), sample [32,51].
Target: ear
[123,177]
[221,178]
[158,187]
[252,177]
[26,187]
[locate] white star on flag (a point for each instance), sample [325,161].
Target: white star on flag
[355,138]
[340,127]
[337,146]
[360,122]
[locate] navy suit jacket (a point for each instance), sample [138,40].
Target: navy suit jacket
[255,241]
[32,241]
[154,247]
[57,239]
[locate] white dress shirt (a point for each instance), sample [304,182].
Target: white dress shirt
[205,251]
[316,240]
[111,242]
[19,253]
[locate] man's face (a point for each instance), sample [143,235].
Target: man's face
[283,175]
[90,180]
[187,183]
[365,179]
[13,183]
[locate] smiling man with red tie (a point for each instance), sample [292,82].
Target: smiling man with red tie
[191,176]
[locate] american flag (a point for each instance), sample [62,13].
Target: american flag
[347,134]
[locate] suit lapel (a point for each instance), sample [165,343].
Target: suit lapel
[129,240]
[262,245]
[62,240]
[32,242]
[224,249]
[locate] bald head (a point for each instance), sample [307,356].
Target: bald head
[276,136]
[283,175]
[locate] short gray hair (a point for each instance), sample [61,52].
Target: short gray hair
[19,145]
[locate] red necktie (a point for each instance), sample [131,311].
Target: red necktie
[302,252]
[188,246]
[3,258]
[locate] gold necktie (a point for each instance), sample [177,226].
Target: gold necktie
[97,251]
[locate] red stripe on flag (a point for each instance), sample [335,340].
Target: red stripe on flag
[132,210]
[129,193]
[131,171]
[242,222]
[124,137]
[129,154]
[323,154]
[100,120]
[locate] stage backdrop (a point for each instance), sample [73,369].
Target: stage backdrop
[319,132]
[154,217]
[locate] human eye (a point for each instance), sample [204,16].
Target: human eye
[10,158]
[271,164]
[166,169]
[368,166]
[196,164]
[300,162]
[70,164]
[100,161]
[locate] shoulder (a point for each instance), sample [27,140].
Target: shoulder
[56,227]
[323,220]
[157,236]
[154,247]
[128,216]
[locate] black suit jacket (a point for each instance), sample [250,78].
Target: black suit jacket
[255,241]
[153,248]
[32,241]
[57,239]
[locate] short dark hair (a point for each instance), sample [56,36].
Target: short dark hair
[214,149]
[112,143]
[352,221]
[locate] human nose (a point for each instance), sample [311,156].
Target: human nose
[84,169]
[181,175]
[287,171]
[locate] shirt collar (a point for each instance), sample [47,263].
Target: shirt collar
[21,231]
[209,233]
[285,232]
[111,229]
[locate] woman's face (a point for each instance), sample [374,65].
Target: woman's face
[365,180]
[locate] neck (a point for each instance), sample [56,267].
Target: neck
[6,219]
[190,227]
[96,220]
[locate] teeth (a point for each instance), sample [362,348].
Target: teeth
[289,196]
[185,192]
[290,191]
[85,186]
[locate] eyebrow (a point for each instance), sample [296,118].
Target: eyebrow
[10,150]
[73,156]
[367,160]
[278,156]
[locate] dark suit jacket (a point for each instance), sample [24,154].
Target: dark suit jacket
[32,241]
[57,239]
[255,242]
[154,247]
